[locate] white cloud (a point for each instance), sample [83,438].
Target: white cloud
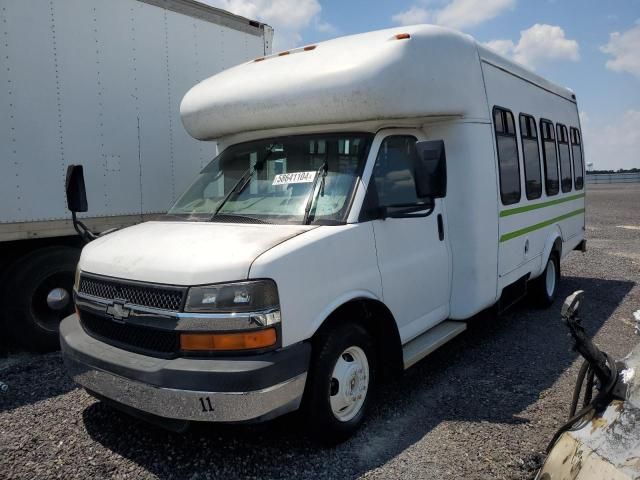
[412,16]
[539,44]
[457,14]
[325,27]
[625,50]
[503,47]
[612,143]
[288,17]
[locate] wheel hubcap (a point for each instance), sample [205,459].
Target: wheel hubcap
[349,383]
[58,298]
[550,280]
[51,301]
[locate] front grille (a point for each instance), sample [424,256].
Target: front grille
[165,298]
[131,337]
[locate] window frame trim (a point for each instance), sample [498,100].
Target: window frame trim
[579,145]
[524,160]
[515,137]
[544,157]
[568,143]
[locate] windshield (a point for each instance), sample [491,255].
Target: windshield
[277,177]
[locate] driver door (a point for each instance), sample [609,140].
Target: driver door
[413,252]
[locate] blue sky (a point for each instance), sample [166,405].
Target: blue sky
[590,46]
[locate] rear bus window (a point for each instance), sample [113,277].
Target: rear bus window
[578,162]
[549,153]
[530,157]
[565,158]
[508,163]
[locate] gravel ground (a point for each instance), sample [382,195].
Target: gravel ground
[483,406]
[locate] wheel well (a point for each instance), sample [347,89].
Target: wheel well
[376,318]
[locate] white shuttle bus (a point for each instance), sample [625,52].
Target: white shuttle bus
[371,194]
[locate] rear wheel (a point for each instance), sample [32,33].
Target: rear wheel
[341,377]
[38,295]
[545,287]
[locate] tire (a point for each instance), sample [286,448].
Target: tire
[545,288]
[340,360]
[29,319]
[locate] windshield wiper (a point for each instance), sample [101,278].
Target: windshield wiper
[324,168]
[243,182]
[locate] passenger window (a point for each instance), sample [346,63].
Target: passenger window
[565,158]
[551,183]
[530,157]
[508,162]
[393,173]
[578,162]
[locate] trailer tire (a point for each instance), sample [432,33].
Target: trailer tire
[545,288]
[31,322]
[351,345]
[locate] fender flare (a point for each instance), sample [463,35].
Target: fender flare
[343,299]
[553,238]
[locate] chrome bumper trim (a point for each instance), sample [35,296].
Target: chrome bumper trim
[172,320]
[189,404]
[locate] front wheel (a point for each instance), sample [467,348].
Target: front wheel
[340,381]
[39,295]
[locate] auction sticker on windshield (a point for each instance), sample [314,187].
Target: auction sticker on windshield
[295,177]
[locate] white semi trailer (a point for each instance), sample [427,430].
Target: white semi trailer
[97,83]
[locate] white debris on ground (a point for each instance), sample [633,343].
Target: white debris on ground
[627,374]
[636,315]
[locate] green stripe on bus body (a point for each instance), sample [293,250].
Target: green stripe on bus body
[527,208]
[537,226]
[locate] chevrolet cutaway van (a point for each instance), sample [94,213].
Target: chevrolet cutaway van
[371,194]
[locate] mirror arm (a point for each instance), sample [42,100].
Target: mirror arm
[83,231]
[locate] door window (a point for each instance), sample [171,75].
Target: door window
[393,173]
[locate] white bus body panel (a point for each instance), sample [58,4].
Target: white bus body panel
[350,79]
[528,252]
[319,271]
[99,83]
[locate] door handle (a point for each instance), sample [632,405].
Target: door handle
[440,227]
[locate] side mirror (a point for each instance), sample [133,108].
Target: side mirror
[431,169]
[76,191]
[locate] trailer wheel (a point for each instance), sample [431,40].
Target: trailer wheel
[341,378]
[34,281]
[545,288]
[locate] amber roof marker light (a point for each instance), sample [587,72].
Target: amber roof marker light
[402,36]
[309,47]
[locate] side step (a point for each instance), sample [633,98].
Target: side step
[424,344]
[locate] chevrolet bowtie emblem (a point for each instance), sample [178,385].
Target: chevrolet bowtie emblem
[118,311]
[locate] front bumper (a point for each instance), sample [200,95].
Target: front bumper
[230,389]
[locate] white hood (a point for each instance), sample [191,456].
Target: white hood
[183,253]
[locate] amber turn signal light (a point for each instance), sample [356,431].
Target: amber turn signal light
[210,342]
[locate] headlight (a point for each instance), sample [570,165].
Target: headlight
[239,297]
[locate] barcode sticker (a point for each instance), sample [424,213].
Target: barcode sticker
[295,177]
